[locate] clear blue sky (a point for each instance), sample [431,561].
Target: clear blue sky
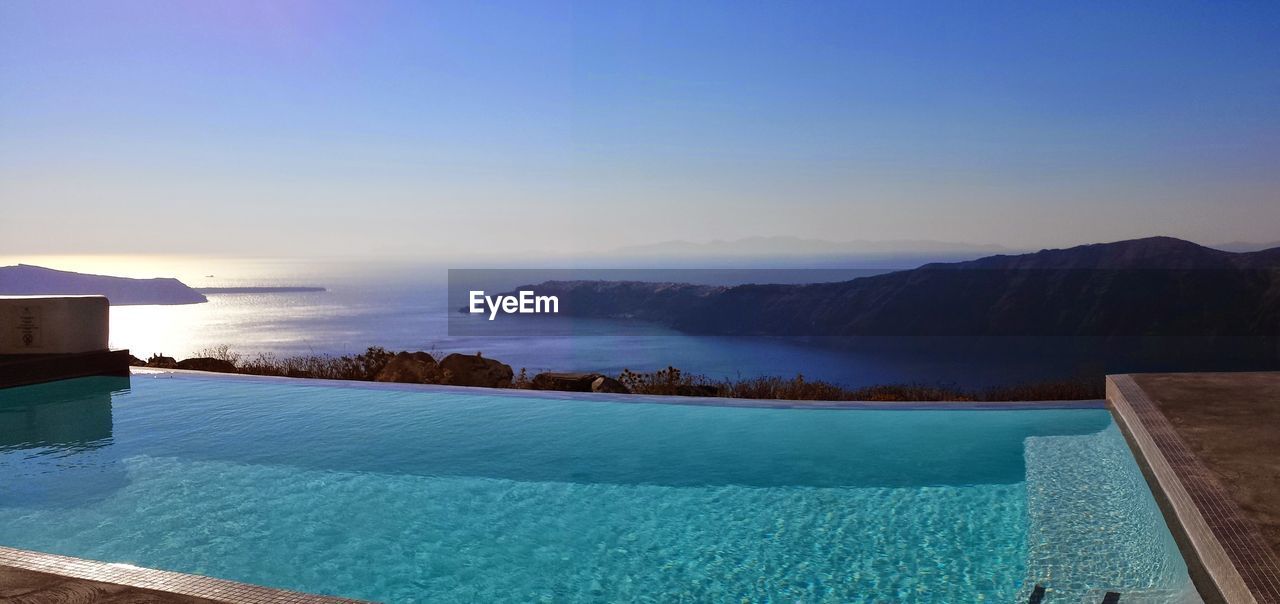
[424,128]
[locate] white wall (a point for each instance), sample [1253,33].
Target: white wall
[53,324]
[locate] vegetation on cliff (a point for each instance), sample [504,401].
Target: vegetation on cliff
[379,364]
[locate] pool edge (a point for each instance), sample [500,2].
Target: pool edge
[598,397]
[1213,571]
[155,580]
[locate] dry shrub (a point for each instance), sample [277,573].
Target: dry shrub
[673,381]
[364,366]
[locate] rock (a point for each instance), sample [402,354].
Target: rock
[577,382]
[207,364]
[608,384]
[474,370]
[566,382]
[136,362]
[410,368]
[162,362]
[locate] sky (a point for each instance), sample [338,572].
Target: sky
[442,129]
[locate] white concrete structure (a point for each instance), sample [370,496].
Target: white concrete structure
[53,324]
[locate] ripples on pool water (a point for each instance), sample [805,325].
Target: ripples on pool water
[401,495]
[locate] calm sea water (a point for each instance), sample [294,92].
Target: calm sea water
[403,495]
[407,317]
[404,307]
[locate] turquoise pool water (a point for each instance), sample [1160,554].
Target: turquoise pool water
[401,495]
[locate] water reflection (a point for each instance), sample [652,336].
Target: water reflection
[54,440]
[71,414]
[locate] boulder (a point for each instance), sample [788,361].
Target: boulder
[207,364]
[162,362]
[475,370]
[565,382]
[410,368]
[610,385]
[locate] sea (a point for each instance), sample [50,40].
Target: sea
[406,306]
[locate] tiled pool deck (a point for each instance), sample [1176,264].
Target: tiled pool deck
[1210,447]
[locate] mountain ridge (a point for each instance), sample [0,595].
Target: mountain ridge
[785,245]
[31,280]
[1149,286]
[1148,252]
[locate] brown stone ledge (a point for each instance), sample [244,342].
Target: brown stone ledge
[1226,555]
[34,577]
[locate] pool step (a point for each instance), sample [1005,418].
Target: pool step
[1147,596]
[1151,596]
[1111,597]
[1093,526]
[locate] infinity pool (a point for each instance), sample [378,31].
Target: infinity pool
[408,494]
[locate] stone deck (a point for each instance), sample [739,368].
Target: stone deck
[28,577]
[1209,444]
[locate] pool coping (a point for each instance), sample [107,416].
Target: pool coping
[1226,557]
[164,581]
[702,401]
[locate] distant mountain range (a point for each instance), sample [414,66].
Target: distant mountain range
[28,280]
[1245,246]
[764,252]
[798,246]
[1152,286]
